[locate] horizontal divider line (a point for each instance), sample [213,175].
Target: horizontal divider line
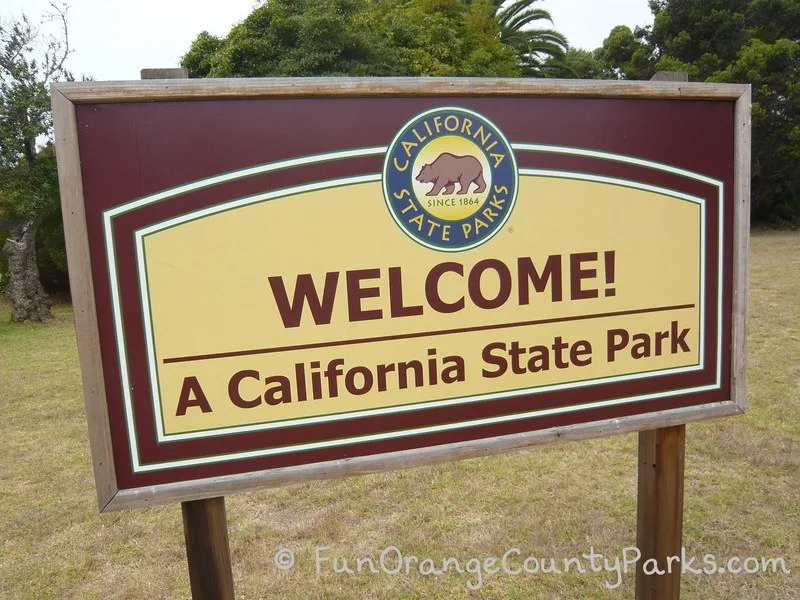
[422,334]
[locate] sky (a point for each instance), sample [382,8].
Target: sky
[115,39]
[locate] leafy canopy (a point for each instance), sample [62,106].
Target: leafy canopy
[540,51]
[28,63]
[358,38]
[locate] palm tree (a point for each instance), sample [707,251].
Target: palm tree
[539,50]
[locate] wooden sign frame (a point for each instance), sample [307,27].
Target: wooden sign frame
[68,96]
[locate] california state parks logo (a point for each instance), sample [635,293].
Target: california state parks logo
[450,179]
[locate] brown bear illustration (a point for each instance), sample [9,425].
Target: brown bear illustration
[449,169]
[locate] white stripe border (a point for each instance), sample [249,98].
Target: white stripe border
[110,214]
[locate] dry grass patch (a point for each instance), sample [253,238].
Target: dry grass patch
[742,493]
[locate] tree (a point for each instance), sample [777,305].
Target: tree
[774,72]
[445,38]
[358,38]
[578,64]
[735,41]
[28,175]
[539,51]
[627,54]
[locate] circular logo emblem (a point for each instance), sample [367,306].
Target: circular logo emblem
[450,179]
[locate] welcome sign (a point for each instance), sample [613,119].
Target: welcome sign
[291,281]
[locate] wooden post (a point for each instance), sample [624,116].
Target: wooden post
[659,527]
[670,76]
[206,530]
[171,73]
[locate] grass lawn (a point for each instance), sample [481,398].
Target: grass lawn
[742,493]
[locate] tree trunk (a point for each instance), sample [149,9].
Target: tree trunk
[28,298]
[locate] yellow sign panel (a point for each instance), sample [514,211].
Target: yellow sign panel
[315,305]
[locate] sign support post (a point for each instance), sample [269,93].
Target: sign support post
[205,528]
[659,526]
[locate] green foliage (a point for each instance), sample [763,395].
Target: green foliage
[579,64]
[735,41]
[30,188]
[445,38]
[293,38]
[772,69]
[539,51]
[28,173]
[51,254]
[627,54]
[704,33]
[358,38]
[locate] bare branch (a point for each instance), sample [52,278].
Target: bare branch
[20,38]
[59,52]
